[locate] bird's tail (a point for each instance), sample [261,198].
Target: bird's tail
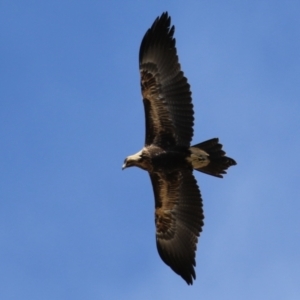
[214,161]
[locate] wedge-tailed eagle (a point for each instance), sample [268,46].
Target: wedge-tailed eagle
[167,155]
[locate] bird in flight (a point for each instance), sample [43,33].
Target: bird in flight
[168,155]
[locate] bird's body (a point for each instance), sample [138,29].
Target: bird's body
[167,154]
[156,159]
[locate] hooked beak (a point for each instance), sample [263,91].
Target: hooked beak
[124,165]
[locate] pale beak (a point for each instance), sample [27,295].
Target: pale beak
[124,167]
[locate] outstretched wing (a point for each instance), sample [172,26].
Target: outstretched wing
[178,219]
[166,92]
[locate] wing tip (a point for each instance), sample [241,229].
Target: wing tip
[186,270]
[160,27]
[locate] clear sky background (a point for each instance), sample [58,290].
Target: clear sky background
[72,224]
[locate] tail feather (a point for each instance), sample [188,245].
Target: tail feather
[219,163]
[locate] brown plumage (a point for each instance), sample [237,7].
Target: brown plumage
[167,154]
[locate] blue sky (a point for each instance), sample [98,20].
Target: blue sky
[72,224]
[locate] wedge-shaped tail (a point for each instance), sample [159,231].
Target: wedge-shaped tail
[216,163]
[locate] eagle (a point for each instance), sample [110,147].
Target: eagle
[168,155]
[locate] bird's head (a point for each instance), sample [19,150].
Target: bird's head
[132,160]
[139,160]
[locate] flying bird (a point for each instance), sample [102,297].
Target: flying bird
[168,155]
